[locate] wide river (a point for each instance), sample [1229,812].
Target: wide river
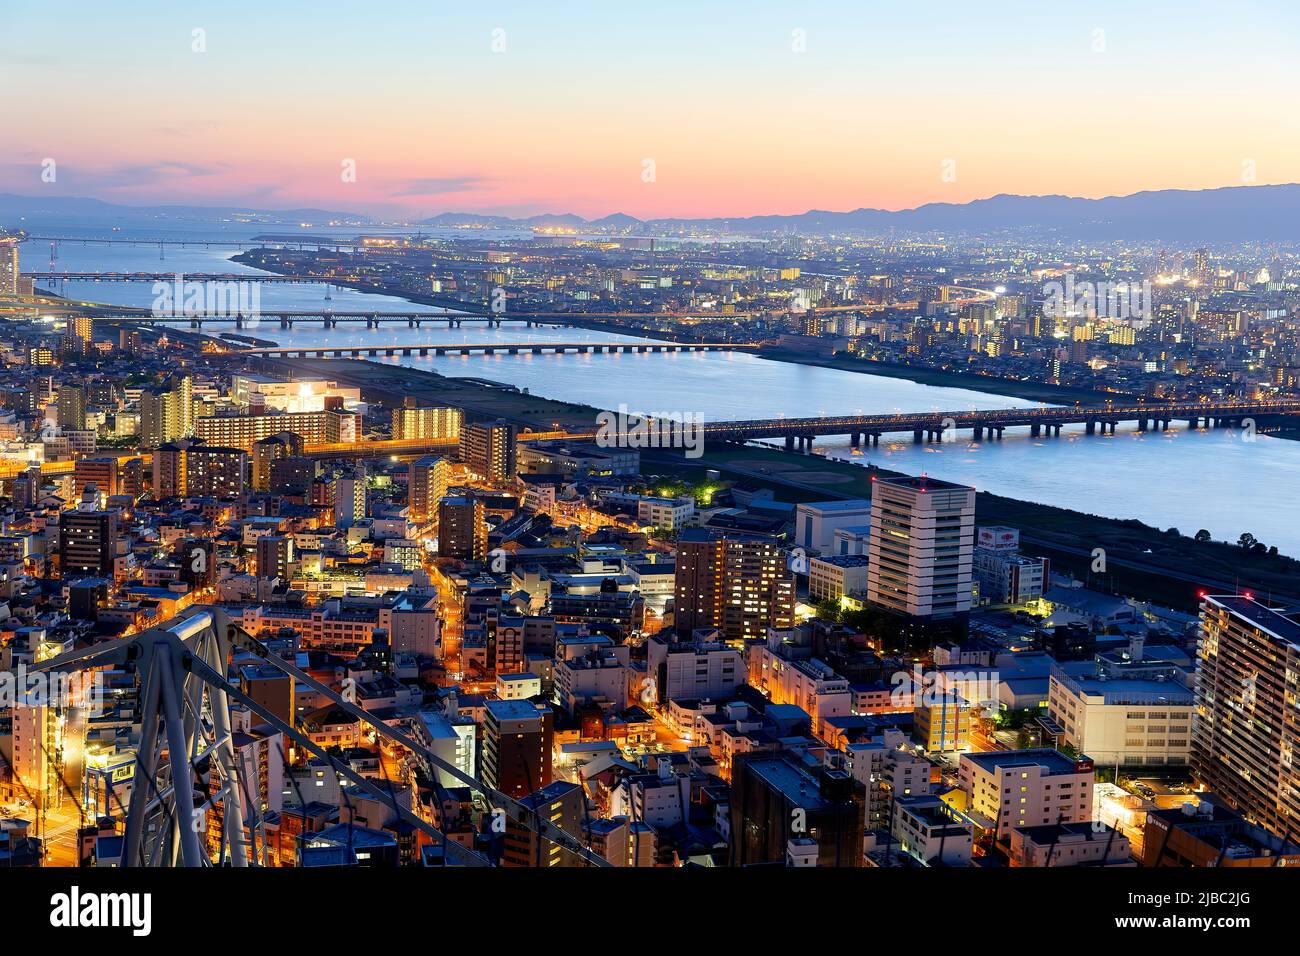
[1180,478]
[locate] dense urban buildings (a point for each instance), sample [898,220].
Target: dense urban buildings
[1246,732]
[397,526]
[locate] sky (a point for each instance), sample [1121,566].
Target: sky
[409,108]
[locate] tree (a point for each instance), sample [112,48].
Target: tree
[1247,540]
[1202,535]
[828,610]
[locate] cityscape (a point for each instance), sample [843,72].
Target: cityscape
[411,520]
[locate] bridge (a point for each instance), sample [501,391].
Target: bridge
[170,277]
[492,348]
[328,318]
[252,242]
[331,317]
[935,426]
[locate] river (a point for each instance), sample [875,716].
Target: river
[1181,478]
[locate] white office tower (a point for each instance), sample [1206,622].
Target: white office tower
[921,544]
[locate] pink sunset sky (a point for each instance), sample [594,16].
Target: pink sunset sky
[518,110]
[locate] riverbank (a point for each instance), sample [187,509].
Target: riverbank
[1013,388]
[1140,561]
[389,385]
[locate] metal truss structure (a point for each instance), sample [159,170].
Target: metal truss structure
[186,763]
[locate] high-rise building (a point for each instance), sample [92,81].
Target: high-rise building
[295,475]
[79,337]
[921,545]
[100,472]
[426,486]
[9,265]
[462,528]
[1201,266]
[1246,730]
[328,427]
[561,803]
[274,555]
[72,407]
[212,471]
[735,583]
[268,450]
[411,421]
[169,469]
[488,449]
[349,499]
[778,803]
[87,542]
[517,738]
[167,413]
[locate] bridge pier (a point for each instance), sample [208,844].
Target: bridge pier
[1034,429]
[855,440]
[917,436]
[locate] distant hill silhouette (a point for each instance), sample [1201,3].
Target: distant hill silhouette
[1232,213]
[1187,215]
[75,210]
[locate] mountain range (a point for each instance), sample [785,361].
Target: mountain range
[75,210]
[1267,213]
[1231,213]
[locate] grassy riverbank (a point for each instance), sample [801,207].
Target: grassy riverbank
[1015,388]
[1140,561]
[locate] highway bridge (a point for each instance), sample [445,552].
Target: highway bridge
[250,243]
[935,426]
[491,348]
[170,277]
[329,319]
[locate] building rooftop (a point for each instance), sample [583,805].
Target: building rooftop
[1053,761]
[1266,619]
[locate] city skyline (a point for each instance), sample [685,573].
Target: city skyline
[597,439]
[789,110]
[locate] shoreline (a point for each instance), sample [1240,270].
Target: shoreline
[1010,388]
